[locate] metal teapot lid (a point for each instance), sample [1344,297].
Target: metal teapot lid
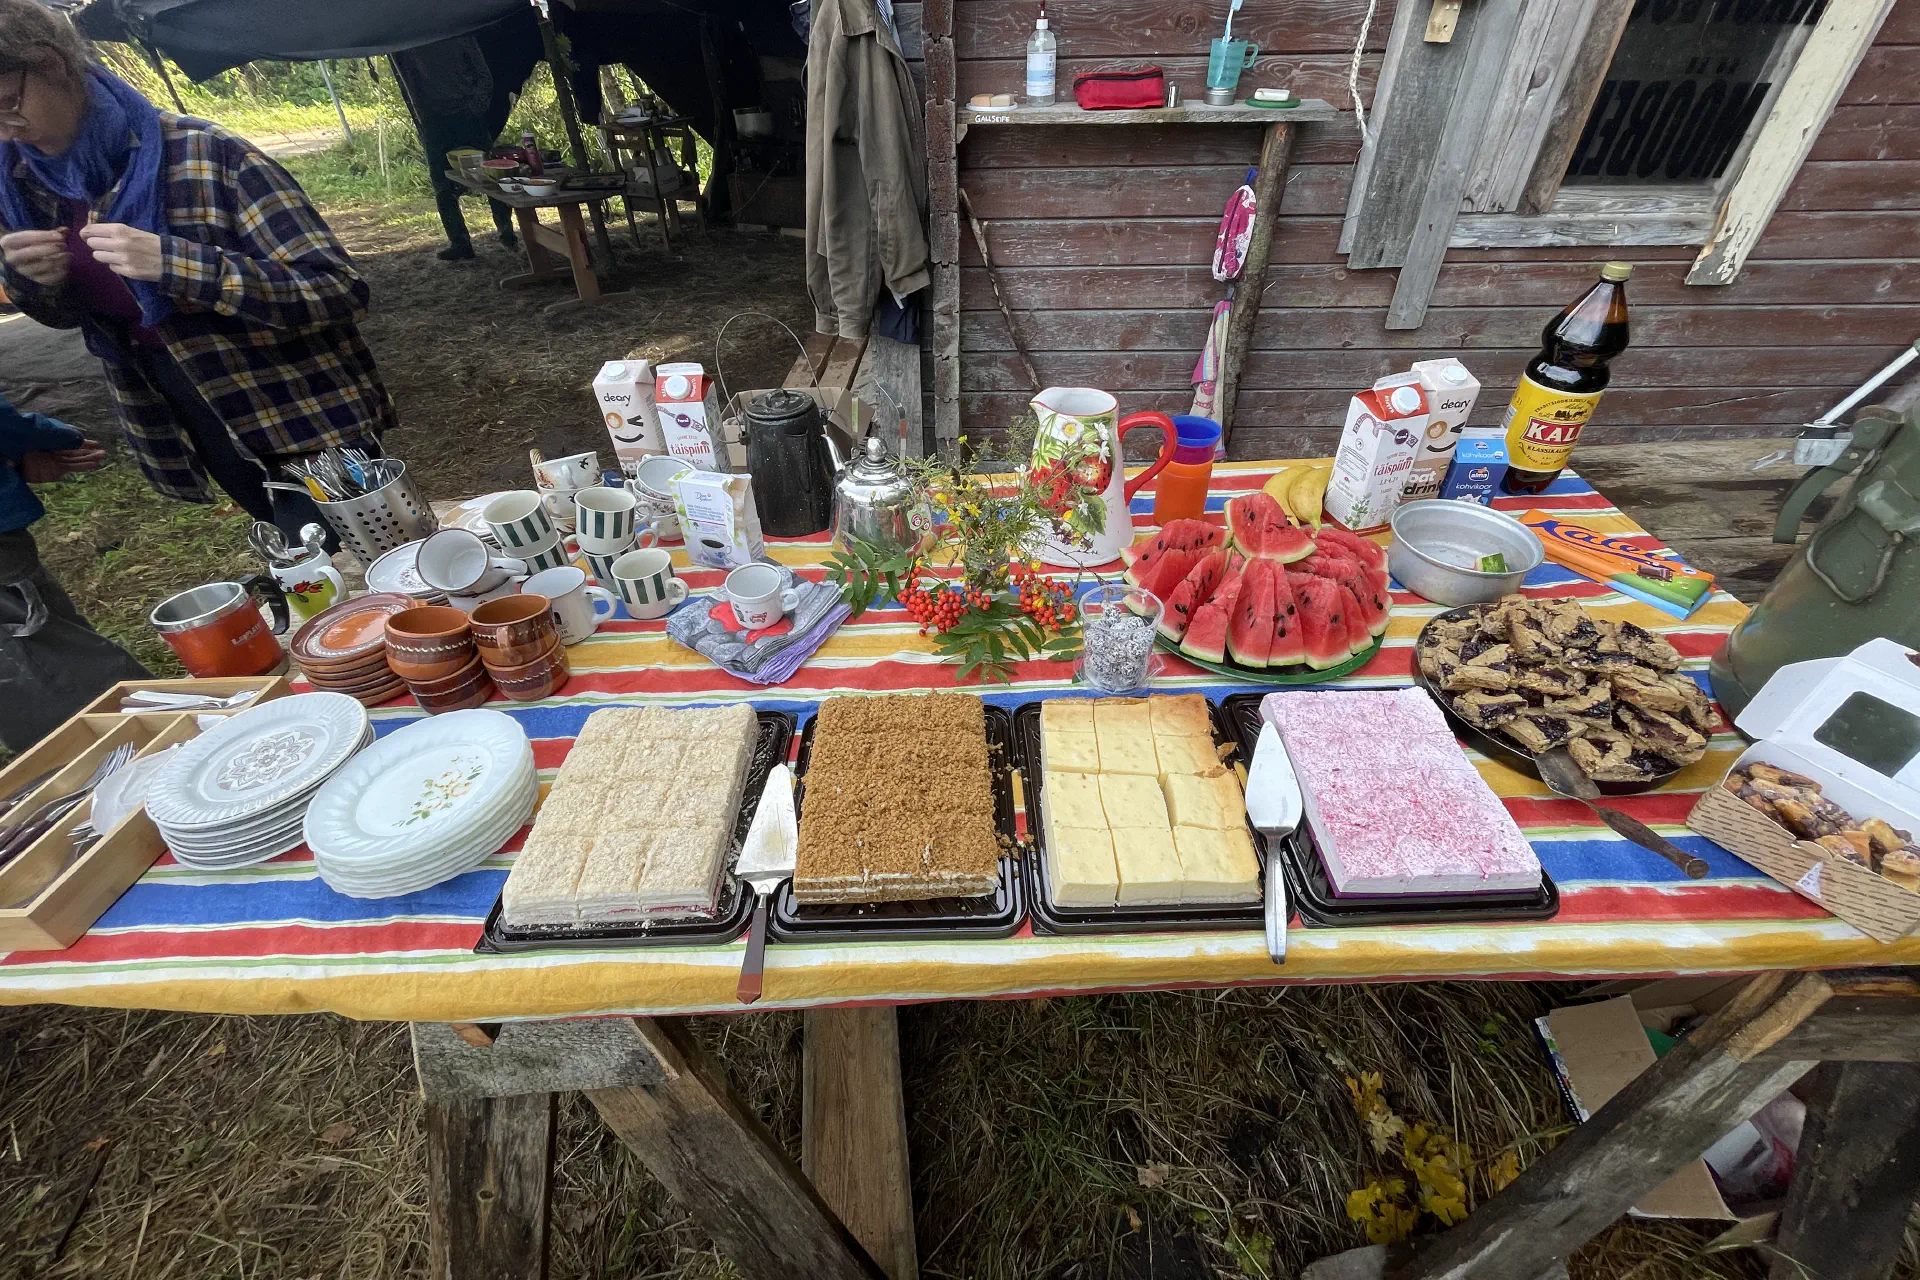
[875,476]
[785,410]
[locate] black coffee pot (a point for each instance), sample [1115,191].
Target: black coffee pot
[792,463]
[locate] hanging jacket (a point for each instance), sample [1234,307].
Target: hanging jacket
[866,168]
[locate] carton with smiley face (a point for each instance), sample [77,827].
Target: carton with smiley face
[624,391]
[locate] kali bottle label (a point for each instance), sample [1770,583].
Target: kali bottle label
[1544,423]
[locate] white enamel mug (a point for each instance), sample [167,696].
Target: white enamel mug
[757,597]
[575,471]
[646,583]
[652,483]
[576,602]
[457,562]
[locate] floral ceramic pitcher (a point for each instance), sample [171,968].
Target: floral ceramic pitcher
[1069,417]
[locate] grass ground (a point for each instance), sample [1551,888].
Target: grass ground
[1171,1135]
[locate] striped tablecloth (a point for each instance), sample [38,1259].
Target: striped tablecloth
[273,939]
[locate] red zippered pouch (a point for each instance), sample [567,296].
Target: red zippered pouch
[1121,90]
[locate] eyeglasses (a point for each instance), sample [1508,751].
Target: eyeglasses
[10,108]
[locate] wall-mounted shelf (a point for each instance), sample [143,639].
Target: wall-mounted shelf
[1310,111]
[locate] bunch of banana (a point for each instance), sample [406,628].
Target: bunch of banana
[1300,489]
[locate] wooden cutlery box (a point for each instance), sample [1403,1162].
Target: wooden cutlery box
[46,902]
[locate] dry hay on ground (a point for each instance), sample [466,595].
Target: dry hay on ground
[1048,1137]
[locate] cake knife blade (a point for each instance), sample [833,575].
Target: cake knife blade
[766,858]
[1274,806]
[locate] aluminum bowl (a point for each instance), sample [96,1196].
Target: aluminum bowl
[1435,539]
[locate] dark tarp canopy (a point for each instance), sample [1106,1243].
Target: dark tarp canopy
[206,37]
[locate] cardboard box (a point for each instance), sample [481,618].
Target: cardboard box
[1597,1049]
[1850,724]
[624,391]
[838,405]
[718,518]
[54,903]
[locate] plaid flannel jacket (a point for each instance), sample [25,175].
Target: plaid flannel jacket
[265,311]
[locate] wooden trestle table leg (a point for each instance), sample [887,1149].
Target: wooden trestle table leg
[489,1183]
[1856,1176]
[853,1130]
[721,1165]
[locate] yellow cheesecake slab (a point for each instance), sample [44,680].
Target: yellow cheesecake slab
[1213,802]
[1217,866]
[1132,801]
[1150,870]
[1073,800]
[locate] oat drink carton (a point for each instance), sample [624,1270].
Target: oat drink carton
[624,391]
[689,409]
[1385,426]
[1451,392]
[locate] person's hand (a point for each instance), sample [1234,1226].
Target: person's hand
[44,466]
[126,251]
[40,256]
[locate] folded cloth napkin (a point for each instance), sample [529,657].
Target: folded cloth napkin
[769,658]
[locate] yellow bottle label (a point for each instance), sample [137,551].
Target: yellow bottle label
[1543,424]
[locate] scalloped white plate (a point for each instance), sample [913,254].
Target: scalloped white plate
[256,761]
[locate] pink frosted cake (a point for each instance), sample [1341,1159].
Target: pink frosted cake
[1392,800]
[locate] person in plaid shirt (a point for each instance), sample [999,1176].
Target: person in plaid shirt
[224,309]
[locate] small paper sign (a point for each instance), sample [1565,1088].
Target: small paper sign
[1809,883]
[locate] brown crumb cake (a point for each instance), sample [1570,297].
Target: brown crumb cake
[898,803]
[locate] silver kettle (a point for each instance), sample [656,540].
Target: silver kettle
[873,501]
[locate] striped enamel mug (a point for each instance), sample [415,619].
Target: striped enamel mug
[603,518]
[552,556]
[519,521]
[645,582]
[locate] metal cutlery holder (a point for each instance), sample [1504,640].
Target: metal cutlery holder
[387,517]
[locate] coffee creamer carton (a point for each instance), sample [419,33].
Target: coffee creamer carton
[1385,426]
[624,391]
[689,407]
[1451,393]
[718,518]
[1479,465]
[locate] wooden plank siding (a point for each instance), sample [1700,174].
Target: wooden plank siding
[1103,239]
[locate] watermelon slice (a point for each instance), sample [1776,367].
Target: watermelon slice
[1193,591]
[1175,535]
[1261,530]
[1323,623]
[1250,633]
[1206,637]
[1359,639]
[1289,647]
[1365,550]
[1162,572]
[1369,586]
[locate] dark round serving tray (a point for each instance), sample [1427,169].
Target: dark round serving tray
[1507,752]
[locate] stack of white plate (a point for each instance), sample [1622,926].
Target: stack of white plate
[423,805]
[238,793]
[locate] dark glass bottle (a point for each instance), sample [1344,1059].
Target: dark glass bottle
[1562,385]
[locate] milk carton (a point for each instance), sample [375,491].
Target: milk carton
[1451,392]
[718,518]
[1479,465]
[1385,426]
[624,390]
[689,409]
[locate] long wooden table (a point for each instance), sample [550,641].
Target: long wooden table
[541,241]
[497,1036]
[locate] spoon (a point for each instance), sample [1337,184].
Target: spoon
[1233,9]
[1565,778]
[268,542]
[313,536]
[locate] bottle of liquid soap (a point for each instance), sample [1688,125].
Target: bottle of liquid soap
[1042,49]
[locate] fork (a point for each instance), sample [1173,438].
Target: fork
[43,819]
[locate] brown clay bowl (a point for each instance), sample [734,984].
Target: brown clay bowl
[537,679]
[469,695]
[451,683]
[514,630]
[428,643]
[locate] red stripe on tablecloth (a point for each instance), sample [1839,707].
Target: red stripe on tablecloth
[409,934]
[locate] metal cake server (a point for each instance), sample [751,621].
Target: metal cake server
[1274,806]
[766,859]
[1564,777]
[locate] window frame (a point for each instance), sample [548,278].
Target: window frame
[1551,59]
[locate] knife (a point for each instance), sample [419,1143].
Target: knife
[766,858]
[1274,806]
[1566,778]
